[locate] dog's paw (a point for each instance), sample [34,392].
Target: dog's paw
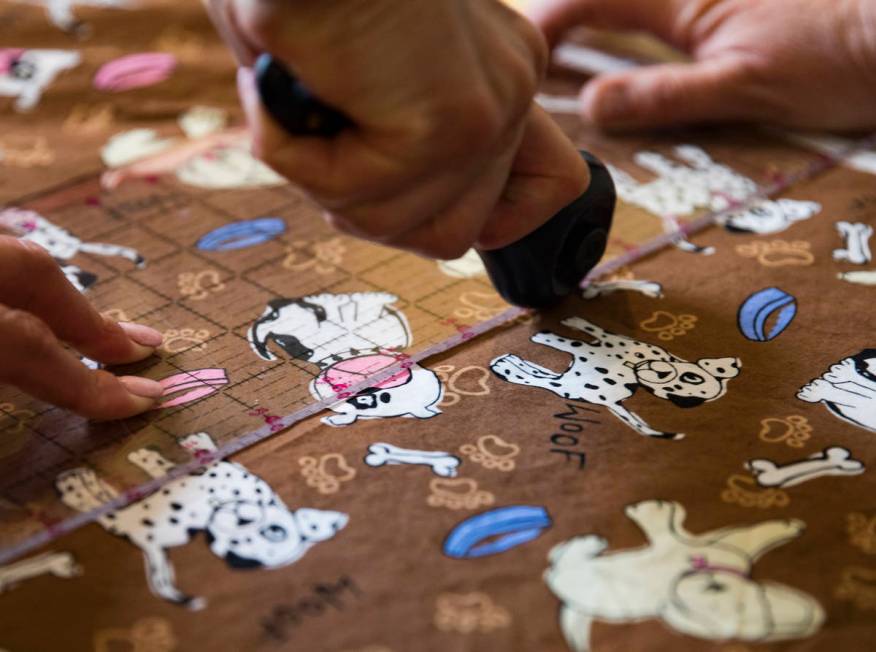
[199,441]
[508,368]
[841,372]
[815,391]
[577,549]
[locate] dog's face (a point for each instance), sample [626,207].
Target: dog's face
[24,73]
[719,605]
[250,534]
[289,323]
[326,328]
[687,384]
[770,216]
[413,391]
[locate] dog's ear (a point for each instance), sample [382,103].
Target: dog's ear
[291,345]
[793,614]
[721,367]
[686,401]
[739,610]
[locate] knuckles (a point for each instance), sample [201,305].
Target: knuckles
[28,336]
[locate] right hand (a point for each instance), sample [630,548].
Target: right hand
[448,150]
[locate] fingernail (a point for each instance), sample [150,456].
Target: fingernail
[246,85]
[142,387]
[143,335]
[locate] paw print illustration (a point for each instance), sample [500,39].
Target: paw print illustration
[778,253]
[668,326]
[794,430]
[178,340]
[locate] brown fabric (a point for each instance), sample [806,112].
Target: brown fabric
[383,582]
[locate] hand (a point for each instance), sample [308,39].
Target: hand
[448,149]
[39,309]
[797,63]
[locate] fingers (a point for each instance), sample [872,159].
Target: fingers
[668,94]
[35,362]
[546,175]
[556,17]
[31,281]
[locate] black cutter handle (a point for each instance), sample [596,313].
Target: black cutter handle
[536,271]
[292,105]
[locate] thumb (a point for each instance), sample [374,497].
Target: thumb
[672,94]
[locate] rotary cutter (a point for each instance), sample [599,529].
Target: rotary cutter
[536,271]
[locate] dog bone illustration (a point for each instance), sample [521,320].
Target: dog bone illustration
[443,464]
[856,236]
[867,277]
[648,288]
[59,564]
[831,461]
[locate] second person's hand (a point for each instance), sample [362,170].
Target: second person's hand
[795,63]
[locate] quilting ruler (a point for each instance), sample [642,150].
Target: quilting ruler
[465,333]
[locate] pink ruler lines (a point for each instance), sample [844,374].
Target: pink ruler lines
[275,423]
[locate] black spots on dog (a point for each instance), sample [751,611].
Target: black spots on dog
[175,506]
[147,522]
[609,381]
[591,386]
[553,384]
[575,344]
[600,370]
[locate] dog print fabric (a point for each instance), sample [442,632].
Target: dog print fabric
[245,522]
[350,337]
[450,505]
[847,389]
[700,585]
[610,368]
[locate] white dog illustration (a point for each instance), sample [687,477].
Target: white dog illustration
[701,183]
[61,244]
[25,74]
[350,337]
[848,389]
[246,523]
[413,392]
[699,585]
[609,369]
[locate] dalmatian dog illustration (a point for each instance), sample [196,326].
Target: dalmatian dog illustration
[700,585]
[767,216]
[60,12]
[61,244]
[607,370]
[679,189]
[350,337]
[245,521]
[848,389]
[25,74]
